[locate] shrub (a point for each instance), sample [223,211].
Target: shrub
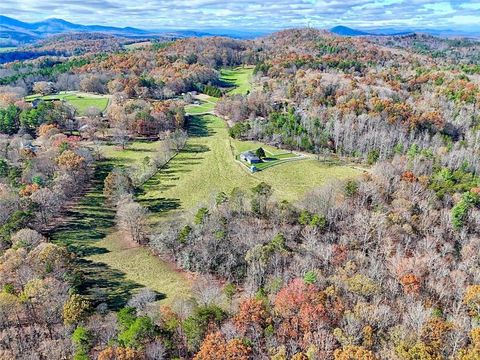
[200,216]
[82,339]
[196,324]
[351,188]
[138,332]
[460,210]
[310,277]
[373,156]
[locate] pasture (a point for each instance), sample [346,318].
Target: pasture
[79,100]
[109,264]
[238,78]
[207,166]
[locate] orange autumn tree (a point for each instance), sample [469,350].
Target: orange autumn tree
[471,298]
[411,283]
[69,161]
[252,317]
[301,310]
[216,347]
[44,129]
[352,352]
[29,189]
[120,353]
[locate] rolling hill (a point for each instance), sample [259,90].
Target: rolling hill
[15,33]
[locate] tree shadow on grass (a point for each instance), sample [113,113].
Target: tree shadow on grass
[137,150]
[160,204]
[104,284]
[227,84]
[197,126]
[194,149]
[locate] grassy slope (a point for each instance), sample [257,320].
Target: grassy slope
[207,166]
[238,77]
[80,101]
[110,265]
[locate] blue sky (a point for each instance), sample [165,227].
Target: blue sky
[253,14]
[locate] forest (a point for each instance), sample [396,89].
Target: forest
[377,259]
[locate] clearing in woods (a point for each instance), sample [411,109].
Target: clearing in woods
[238,78]
[79,100]
[114,268]
[207,165]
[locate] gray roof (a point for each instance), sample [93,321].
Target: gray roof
[250,155]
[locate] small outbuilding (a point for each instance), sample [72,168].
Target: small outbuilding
[36,102]
[249,157]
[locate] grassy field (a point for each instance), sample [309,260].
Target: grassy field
[238,78]
[110,265]
[80,101]
[203,107]
[207,166]
[137,45]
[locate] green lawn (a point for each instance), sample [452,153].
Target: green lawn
[135,152]
[203,107]
[80,101]
[207,166]
[273,157]
[239,78]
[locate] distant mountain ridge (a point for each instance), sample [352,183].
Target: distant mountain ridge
[15,32]
[347,31]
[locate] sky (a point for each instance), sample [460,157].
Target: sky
[253,14]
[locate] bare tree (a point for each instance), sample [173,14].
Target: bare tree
[132,218]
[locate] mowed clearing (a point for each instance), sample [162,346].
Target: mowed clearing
[207,166]
[79,100]
[111,266]
[238,78]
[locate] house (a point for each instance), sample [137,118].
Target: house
[36,102]
[28,148]
[249,157]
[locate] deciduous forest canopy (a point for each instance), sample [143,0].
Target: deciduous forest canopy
[132,226]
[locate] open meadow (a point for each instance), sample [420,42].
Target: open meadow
[109,264]
[238,78]
[79,100]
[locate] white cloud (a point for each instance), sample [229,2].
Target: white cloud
[249,14]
